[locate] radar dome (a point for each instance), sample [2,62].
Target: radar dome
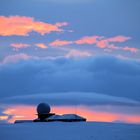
[43,108]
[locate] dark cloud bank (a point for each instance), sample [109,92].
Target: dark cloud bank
[100,74]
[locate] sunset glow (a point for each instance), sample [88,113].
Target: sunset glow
[29,113]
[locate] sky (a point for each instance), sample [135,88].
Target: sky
[80,56]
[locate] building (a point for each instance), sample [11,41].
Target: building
[44,115]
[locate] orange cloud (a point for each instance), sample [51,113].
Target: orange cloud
[41,45]
[3,117]
[60,43]
[28,112]
[75,53]
[22,26]
[87,40]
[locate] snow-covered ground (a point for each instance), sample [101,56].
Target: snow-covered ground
[69,131]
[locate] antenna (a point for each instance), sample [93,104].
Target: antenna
[76,108]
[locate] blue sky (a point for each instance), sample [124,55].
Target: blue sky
[57,46]
[86,18]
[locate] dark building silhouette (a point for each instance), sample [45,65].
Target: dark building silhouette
[43,111]
[44,115]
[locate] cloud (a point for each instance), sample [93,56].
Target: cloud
[105,43]
[101,74]
[60,43]
[22,26]
[77,53]
[99,41]
[87,40]
[4,117]
[82,103]
[104,84]
[131,49]
[102,107]
[118,39]
[109,44]
[41,45]
[72,98]
[15,58]
[102,44]
[17,46]
[125,48]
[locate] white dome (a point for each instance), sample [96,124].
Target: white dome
[43,108]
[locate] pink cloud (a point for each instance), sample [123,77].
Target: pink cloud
[41,45]
[60,43]
[106,42]
[77,53]
[17,46]
[131,49]
[87,40]
[118,39]
[22,26]
[102,44]
[125,48]
[113,47]
[100,40]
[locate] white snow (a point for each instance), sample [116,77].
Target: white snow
[69,131]
[71,116]
[55,117]
[65,116]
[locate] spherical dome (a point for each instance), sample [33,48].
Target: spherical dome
[43,108]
